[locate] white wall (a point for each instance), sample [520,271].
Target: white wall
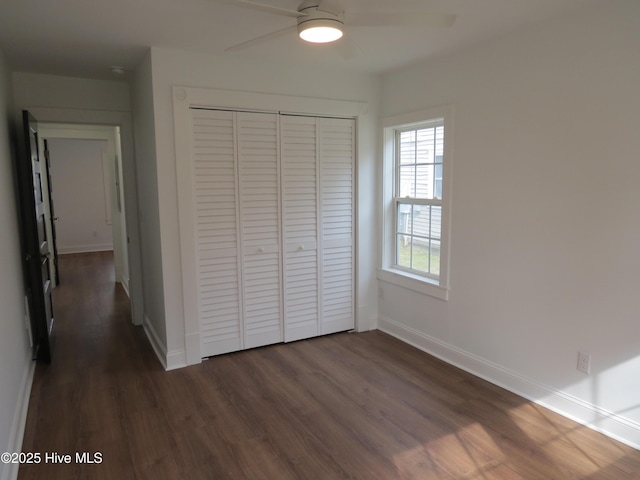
[54,99]
[16,368]
[81,201]
[171,67]
[53,91]
[545,223]
[149,213]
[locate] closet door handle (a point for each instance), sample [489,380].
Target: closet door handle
[301,247]
[261,250]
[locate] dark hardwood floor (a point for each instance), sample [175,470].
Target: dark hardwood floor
[347,406]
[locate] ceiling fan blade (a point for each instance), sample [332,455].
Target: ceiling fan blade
[400,19]
[266,8]
[261,39]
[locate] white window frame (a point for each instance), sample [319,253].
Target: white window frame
[389,272]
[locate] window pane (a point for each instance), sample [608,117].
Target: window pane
[437,189]
[424,181]
[407,181]
[439,142]
[437,180]
[435,257]
[436,223]
[420,254]
[408,147]
[425,145]
[403,251]
[404,218]
[421,220]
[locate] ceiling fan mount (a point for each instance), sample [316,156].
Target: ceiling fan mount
[309,4]
[322,21]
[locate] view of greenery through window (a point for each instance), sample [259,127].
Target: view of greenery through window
[419,259]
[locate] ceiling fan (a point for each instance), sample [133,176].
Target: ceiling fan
[323,21]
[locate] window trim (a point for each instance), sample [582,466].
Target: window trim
[388,271]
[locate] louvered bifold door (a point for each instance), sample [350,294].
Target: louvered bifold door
[217,265]
[337,190]
[258,163]
[300,222]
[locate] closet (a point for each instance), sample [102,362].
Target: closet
[273,208]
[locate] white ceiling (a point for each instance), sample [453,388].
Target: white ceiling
[85,37]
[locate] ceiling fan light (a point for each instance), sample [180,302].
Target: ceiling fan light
[321,30]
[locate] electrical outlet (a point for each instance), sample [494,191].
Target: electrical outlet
[584,363]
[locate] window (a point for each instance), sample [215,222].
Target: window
[417,164]
[418,198]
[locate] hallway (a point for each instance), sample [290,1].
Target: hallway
[77,402]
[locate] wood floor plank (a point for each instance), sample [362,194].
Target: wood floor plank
[346,406]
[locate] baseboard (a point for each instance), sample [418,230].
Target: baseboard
[170,360]
[176,359]
[192,348]
[592,416]
[124,281]
[100,247]
[157,344]
[10,471]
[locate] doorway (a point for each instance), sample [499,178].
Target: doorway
[88,212]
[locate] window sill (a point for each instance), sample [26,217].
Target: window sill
[413,282]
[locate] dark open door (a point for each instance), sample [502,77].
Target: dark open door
[35,245]
[54,246]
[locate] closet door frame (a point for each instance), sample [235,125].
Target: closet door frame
[185,98]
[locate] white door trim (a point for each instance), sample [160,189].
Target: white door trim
[185,98]
[123,120]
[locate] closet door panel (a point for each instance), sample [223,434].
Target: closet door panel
[337,154]
[299,153]
[217,265]
[258,163]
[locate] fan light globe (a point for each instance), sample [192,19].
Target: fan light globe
[320,30]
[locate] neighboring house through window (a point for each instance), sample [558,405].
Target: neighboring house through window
[417,170]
